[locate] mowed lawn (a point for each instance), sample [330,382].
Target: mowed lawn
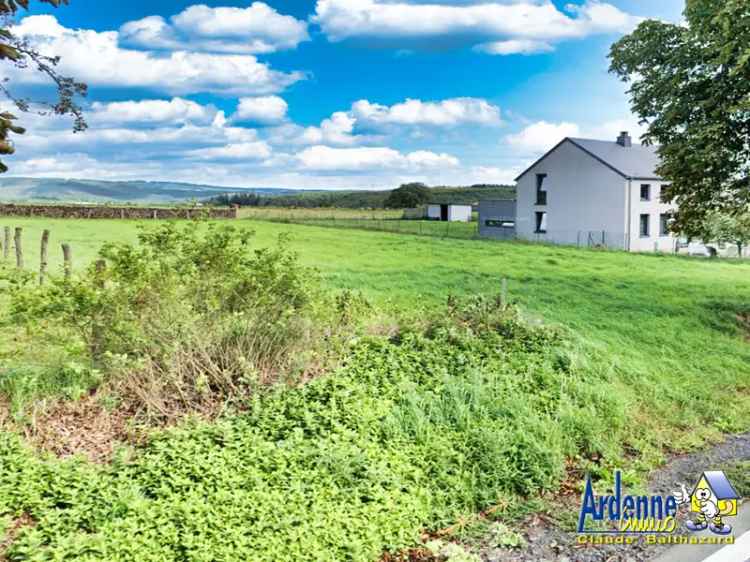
[661,326]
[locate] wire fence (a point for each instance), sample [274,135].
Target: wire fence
[436,229]
[594,239]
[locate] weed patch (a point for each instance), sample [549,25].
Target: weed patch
[182,322]
[413,433]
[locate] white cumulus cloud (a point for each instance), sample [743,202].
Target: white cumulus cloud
[338,129]
[263,109]
[542,136]
[514,46]
[325,158]
[256,29]
[97,58]
[240,151]
[485,23]
[445,113]
[147,111]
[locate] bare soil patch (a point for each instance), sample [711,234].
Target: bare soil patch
[84,427]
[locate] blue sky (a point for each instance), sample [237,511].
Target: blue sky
[326,93]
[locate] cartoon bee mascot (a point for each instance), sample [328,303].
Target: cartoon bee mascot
[707,507]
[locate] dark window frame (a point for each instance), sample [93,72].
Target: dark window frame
[645,232]
[540,220]
[499,223]
[647,188]
[541,193]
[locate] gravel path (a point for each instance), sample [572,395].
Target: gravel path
[548,543]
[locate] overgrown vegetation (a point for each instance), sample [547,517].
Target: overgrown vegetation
[473,409]
[450,411]
[184,318]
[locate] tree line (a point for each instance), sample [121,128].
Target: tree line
[406,196]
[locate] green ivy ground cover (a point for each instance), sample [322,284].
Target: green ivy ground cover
[408,436]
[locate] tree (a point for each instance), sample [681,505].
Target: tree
[691,85]
[727,229]
[18,52]
[408,195]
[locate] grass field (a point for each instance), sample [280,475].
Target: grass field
[288,214]
[659,339]
[438,229]
[654,316]
[382,220]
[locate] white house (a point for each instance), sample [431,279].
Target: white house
[592,192]
[451,213]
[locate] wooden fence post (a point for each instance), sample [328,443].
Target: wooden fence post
[19,247]
[67,260]
[43,257]
[504,292]
[6,244]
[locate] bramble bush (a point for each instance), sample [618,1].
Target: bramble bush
[412,433]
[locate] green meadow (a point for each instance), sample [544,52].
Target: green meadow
[662,325]
[651,356]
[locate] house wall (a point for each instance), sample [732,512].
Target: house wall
[459,213]
[654,208]
[586,200]
[433,212]
[497,212]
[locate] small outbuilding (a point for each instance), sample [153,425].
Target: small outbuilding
[497,219]
[449,213]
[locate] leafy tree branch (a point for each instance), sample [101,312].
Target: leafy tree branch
[20,53]
[691,85]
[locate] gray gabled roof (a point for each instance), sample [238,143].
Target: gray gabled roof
[720,485]
[632,162]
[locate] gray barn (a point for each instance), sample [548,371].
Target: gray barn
[497,219]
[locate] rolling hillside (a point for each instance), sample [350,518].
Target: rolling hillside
[96,191]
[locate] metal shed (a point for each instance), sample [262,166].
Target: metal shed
[497,219]
[449,213]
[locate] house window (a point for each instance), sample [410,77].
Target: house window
[541,223]
[541,194]
[645,192]
[645,226]
[497,223]
[664,219]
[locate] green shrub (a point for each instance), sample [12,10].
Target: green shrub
[187,316]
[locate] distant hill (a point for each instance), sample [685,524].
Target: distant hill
[370,199]
[147,192]
[95,191]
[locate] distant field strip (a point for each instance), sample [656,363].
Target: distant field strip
[460,230]
[293,215]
